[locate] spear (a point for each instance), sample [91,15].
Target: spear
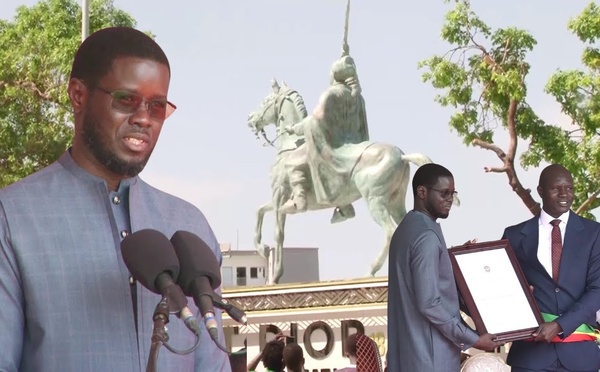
[345,47]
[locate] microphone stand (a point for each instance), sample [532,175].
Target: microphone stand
[159,333]
[160,336]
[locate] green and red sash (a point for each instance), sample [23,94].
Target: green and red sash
[583,333]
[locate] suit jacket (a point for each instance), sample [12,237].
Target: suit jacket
[425,330]
[575,298]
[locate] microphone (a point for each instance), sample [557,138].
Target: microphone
[151,260]
[199,275]
[234,313]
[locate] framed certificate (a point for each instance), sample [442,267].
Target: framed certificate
[495,291]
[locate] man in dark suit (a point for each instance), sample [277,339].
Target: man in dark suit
[559,253]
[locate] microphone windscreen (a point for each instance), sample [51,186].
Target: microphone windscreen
[196,259]
[147,254]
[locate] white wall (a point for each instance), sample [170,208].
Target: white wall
[248,260]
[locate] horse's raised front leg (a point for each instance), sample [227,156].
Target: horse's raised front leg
[260,215]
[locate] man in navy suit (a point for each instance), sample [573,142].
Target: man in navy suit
[559,253]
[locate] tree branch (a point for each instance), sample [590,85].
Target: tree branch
[494,169]
[31,87]
[586,91]
[451,52]
[505,50]
[572,132]
[512,130]
[582,208]
[508,160]
[490,146]
[478,46]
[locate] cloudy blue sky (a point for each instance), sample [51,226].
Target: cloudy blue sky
[223,55]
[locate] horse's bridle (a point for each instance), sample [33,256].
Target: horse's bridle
[278,103]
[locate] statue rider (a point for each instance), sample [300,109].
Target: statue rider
[332,136]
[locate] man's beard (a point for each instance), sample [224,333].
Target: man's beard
[100,149]
[431,209]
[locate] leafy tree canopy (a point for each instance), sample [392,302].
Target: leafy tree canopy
[483,77]
[36,52]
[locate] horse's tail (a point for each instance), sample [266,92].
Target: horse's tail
[417,159]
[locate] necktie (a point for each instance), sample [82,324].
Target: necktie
[556,248]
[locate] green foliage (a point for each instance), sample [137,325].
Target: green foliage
[36,52]
[486,70]
[578,93]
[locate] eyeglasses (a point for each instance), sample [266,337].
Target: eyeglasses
[129,103]
[445,194]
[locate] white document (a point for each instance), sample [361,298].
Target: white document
[496,291]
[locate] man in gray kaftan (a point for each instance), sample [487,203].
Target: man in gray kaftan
[67,300]
[425,329]
[65,291]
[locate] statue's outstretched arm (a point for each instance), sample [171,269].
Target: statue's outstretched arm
[298,128]
[318,114]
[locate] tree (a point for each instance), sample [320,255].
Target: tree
[578,92]
[36,52]
[483,77]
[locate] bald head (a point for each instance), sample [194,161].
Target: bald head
[551,172]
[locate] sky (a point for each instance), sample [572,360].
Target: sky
[223,55]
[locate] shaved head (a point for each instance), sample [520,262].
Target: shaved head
[551,172]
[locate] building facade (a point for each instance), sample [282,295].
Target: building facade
[246,268]
[318,316]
